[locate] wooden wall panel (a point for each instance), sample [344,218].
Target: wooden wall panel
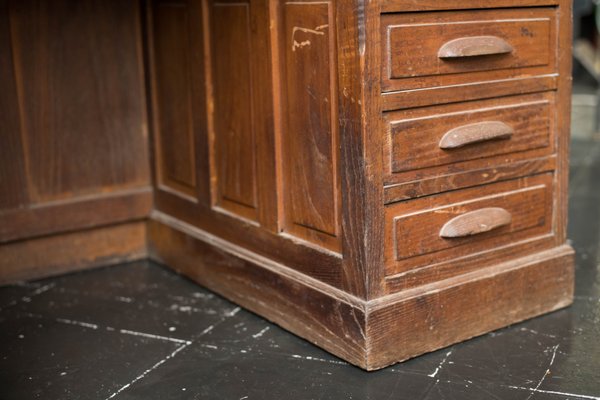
[81,88]
[177,80]
[234,118]
[309,134]
[13,183]
[73,135]
[170,65]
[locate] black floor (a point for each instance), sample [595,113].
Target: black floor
[139,331]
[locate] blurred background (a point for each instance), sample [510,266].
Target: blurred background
[586,70]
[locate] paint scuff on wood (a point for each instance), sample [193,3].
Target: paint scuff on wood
[319,30]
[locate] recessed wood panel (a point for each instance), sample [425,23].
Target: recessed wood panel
[170,65]
[309,134]
[13,183]
[234,119]
[78,68]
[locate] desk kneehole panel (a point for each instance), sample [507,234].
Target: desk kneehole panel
[422,50]
[421,233]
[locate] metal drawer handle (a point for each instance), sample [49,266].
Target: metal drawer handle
[474,46]
[475,133]
[476,222]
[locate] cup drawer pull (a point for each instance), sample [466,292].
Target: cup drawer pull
[475,133]
[475,222]
[474,46]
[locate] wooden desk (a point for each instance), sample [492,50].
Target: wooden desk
[382,178]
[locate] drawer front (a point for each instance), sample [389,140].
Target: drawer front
[388,6]
[435,136]
[438,48]
[456,224]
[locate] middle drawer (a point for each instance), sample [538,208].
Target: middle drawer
[452,134]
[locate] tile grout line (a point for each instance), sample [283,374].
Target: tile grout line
[27,298]
[152,336]
[109,328]
[578,396]
[146,372]
[227,315]
[537,387]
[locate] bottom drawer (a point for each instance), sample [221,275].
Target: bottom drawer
[451,225]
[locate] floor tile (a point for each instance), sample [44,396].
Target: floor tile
[43,358]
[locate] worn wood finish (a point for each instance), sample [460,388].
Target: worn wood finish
[73,135]
[309,133]
[414,42]
[453,134]
[174,125]
[81,213]
[234,122]
[413,227]
[474,174]
[472,46]
[106,108]
[383,178]
[475,133]
[59,254]
[434,316]
[476,144]
[430,5]
[324,315]
[13,177]
[367,333]
[476,222]
[479,90]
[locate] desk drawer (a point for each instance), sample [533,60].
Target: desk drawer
[436,136]
[456,224]
[440,48]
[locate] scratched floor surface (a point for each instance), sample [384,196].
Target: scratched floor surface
[139,331]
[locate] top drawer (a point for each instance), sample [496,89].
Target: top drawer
[430,49]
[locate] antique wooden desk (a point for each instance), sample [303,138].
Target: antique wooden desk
[382,178]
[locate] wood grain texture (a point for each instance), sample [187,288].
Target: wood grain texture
[563,116]
[73,215]
[473,46]
[431,317]
[295,176]
[465,92]
[476,222]
[78,76]
[57,254]
[234,119]
[411,59]
[309,136]
[462,50]
[171,72]
[361,158]
[416,135]
[413,227]
[474,174]
[366,333]
[311,260]
[475,133]
[430,5]
[13,177]
[336,324]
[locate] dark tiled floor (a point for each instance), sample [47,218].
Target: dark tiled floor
[139,331]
